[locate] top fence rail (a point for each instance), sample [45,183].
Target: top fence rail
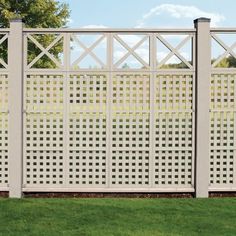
[125,30]
[108,30]
[223,30]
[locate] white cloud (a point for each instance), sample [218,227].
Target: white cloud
[180,11]
[70,21]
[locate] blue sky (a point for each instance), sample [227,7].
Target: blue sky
[149,13]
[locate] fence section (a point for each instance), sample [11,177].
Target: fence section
[116,126]
[222,111]
[118,111]
[4,110]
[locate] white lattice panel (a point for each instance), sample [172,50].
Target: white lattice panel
[44,132]
[130,169]
[130,131]
[173,168]
[44,93]
[130,92]
[3,150]
[223,149]
[44,145]
[87,168]
[173,131]
[88,92]
[113,126]
[222,167]
[44,168]
[3,92]
[87,131]
[3,130]
[223,131]
[174,92]
[223,91]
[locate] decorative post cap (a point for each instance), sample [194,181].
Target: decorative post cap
[201,19]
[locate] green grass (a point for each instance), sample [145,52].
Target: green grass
[54,217]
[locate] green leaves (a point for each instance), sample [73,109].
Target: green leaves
[35,13]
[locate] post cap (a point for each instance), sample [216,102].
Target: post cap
[202,19]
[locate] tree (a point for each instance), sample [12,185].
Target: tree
[227,62]
[36,14]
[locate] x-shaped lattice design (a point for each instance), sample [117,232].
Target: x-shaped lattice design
[174,51]
[2,62]
[131,51]
[45,51]
[88,50]
[228,50]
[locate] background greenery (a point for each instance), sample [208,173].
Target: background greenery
[36,14]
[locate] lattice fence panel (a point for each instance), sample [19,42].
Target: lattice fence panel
[87,130]
[174,92]
[173,131]
[223,131]
[88,168]
[130,131]
[3,92]
[44,93]
[44,132]
[88,92]
[4,150]
[44,161]
[112,127]
[130,92]
[4,130]
[44,168]
[173,168]
[130,169]
[4,111]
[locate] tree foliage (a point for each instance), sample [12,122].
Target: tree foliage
[227,62]
[36,14]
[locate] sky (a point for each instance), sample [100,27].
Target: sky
[149,13]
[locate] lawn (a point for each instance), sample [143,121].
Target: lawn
[54,217]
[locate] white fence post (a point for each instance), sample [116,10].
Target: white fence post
[15,54]
[203,74]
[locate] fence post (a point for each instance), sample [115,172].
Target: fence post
[203,74]
[15,55]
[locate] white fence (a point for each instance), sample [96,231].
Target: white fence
[107,110]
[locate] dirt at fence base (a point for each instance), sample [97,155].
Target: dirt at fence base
[4,194]
[116,195]
[222,194]
[109,195]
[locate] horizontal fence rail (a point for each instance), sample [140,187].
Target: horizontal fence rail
[117,110]
[107,30]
